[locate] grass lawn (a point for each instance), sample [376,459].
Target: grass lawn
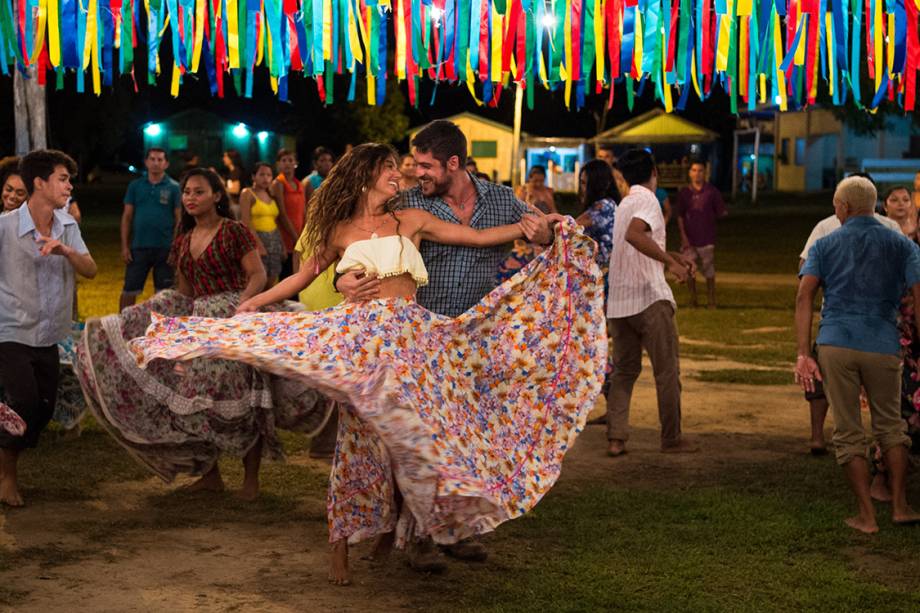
[750,524]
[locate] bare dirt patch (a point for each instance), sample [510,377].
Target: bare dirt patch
[113,553]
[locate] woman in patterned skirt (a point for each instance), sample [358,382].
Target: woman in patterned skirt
[179,420]
[469,417]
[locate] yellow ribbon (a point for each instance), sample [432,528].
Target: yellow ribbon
[174,84]
[233,34]
[668,103]
[54,33]
[890,56]
[599,55]
[725,24]
[201,9]
[799,59]
[567,32]
[400,39]
[831,60]
[497,31]
[327,29]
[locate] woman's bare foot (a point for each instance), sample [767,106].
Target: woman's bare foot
[338,567]
[9,493]
[211,481]
[616,448]
[863,524]
[382,547]
[905,516]
[879,488]
[249,491]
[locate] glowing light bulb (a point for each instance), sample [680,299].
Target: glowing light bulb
[549,21]
[240,130]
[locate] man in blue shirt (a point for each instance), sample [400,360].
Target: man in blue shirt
[148,224]
[40,250]
[864,270]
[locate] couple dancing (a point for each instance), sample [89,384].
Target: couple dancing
[452,425]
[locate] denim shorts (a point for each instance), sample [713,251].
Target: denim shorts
[142,260]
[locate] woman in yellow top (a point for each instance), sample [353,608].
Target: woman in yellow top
[261,214]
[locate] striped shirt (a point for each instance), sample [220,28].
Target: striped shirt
[458,277]
[636,280]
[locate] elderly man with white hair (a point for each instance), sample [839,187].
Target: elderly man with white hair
[864,270]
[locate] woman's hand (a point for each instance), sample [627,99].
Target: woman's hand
[248,306]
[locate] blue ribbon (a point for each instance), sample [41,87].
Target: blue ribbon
[69,53]
[900,37]
[475,7]
[650,33]
[629,39]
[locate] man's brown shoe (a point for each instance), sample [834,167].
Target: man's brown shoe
[684,446]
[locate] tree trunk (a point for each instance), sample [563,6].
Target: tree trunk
[29,112]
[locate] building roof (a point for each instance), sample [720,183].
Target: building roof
[474,117]
[656,126]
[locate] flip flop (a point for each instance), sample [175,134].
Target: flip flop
[907,522]
[818,451]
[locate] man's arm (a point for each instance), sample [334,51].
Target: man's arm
[538,230]
[127,218]
[806,369]
[637,235]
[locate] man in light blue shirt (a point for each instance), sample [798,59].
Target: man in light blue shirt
[864,270]
[40,250]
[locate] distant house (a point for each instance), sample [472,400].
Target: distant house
[812,150]
[672,139]
[199,133]
[489,142]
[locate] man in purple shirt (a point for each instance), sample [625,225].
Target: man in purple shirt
[698,207]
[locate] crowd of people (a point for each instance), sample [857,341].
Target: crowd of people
[375,306]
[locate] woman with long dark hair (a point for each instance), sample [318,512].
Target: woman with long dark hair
[180,420]
[598,196]
[469,417]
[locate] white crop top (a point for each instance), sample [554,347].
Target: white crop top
[387,256]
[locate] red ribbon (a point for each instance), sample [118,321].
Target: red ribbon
[576,40]
[913,51]
[614,16]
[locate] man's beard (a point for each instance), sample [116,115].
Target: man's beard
[439,189]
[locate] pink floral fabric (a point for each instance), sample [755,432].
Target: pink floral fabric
[10,421]
[180,421]
[471,415]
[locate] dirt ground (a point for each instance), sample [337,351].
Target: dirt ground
[281,566]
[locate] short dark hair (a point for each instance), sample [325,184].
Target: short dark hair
[157,150]
[40,164]
[321,151]
[537,168]
[284,153]
[893,189]
[261,164]
[696,162]
[636,165]
[443,139]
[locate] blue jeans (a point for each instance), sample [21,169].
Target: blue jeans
[142,260]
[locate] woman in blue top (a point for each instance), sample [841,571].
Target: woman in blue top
[598,195]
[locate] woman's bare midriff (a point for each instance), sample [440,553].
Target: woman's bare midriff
[402,286]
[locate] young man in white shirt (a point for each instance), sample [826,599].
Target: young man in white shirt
[641,307]
[40,252]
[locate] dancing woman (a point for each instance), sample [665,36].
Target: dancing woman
[180,420]
[471,415]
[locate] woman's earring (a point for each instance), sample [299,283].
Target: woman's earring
[364,188]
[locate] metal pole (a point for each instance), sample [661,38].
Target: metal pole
[756,161]
[734,163]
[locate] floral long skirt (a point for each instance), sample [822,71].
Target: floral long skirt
[472,416]
[179,420]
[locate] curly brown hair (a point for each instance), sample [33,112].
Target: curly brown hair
[337,197]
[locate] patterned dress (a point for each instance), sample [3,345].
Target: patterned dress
[181,421]
[471,415]
[910,375]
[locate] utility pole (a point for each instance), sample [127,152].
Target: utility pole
[29,109]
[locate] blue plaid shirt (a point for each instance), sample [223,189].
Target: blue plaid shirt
[460,276]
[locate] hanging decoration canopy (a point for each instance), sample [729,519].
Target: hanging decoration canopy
[757,51]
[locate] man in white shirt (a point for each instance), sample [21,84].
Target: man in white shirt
[641,307]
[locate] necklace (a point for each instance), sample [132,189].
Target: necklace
[373,232]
